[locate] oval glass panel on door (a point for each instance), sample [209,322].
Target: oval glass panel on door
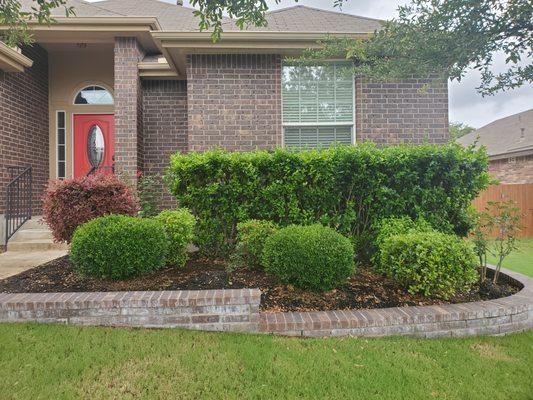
[93,144]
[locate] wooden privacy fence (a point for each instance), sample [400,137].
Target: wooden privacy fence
[521,194]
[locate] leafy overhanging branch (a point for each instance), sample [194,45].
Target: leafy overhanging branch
[445,38]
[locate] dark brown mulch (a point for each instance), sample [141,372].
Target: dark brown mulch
[364,290]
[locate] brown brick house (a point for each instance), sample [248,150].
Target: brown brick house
[509,144]
[126,84]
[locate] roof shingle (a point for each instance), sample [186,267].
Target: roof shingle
[308,19]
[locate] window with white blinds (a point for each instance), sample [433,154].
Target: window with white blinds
[318,104]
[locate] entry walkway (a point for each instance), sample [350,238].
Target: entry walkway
[31,246]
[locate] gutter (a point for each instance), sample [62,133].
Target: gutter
[13,61]
[94,23]
[513,153]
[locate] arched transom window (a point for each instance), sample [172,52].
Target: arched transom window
[97,95]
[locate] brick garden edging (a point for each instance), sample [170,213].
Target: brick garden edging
[238,310]
[492,317]
[210,310]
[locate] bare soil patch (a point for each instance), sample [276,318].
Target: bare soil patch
[366,289]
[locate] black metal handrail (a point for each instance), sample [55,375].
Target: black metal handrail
[18,199]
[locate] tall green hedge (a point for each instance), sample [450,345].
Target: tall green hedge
[347,187]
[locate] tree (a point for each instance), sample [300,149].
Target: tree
[458,129]
[506,222]
[447,38]
[495,230]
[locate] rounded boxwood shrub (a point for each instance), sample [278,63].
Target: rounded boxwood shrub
[118,247]
[179,227]
[69,203]
[251,238]
[311,257]
[431,263]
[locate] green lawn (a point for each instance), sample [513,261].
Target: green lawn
[520,260]
[60,362]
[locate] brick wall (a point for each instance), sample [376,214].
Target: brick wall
[517,170]
[397,112]
[234,101]
[164,126]
[128,106]
[24,123]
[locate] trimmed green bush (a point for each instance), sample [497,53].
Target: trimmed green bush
[251,238]
[179,226]
[348,188]
[118,247]
[311,257]
[431,263]
[392,226]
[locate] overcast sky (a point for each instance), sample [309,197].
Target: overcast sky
[466,105]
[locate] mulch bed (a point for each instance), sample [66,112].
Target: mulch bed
[364,290]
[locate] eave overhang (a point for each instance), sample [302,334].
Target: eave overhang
[243,40]
[13,61]
[177,45]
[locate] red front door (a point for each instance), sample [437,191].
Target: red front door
[94,144]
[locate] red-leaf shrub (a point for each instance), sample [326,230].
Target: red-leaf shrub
[69,203]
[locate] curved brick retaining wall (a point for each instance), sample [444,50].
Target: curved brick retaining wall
[238,310]
[210,310]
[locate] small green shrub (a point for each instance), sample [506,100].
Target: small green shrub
[118,247]
[251,238]
[179,226]
[311,257]
[432,263]
[387,227]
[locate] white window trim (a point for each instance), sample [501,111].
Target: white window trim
[95,104]
[352,124]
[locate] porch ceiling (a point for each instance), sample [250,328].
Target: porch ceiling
[98,30]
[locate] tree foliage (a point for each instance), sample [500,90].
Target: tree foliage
[244,12]
[17,20]
[448,38]
[459,129]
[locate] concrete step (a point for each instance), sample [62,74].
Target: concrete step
[35,245]
[32,234]
[34,223]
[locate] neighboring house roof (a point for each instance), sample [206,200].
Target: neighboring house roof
[309,19]
[173,17]
[506,136]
